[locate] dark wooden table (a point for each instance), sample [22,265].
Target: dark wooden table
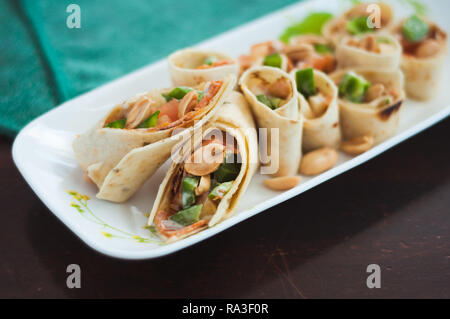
[393,211]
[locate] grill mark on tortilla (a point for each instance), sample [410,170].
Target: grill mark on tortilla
[387,113]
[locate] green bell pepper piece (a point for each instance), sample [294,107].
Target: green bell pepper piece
[187,191]
[353,87]
[219,191]
[177,93]
[273,60]
[229,169]
[322,48]
[415,29]
[150,121]
[264,100]
[275,101]
[358,26]
[117,124]
[305,82]
[270,101]
[187,216]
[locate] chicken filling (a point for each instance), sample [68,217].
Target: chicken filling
[275,94]
[181,105]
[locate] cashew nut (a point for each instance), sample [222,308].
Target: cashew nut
[282,183]
[358,145]
[318,161]
[141,110]
[203,185]
[205,160]
[374,92]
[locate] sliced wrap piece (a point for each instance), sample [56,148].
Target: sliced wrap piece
[354,21]
[119,161]
[272,96]
[193,66]
[369,51]
[269,53]
[370,102]
[203,185]
[321,126]
[423,58]
[311,51]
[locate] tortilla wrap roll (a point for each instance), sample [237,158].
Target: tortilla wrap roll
[193,66]
[369,51]
[423,59]
[119,155]
[321,126]
[269,53]
[204,187]
[354,22]
[311,51]
[370,102]
[272,97]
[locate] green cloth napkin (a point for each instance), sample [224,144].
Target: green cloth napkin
[44,63]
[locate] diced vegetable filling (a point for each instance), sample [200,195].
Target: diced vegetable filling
[117,124]
[199,186]
[270,101]
[150,121]
[181,102]
[276,94]
[322,48]
[273,60]
[415,29]
[357,89]
[318,101]
[313,52]
[305,82]
[358,25]
[353,87]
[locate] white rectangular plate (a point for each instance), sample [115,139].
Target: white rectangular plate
[43,153]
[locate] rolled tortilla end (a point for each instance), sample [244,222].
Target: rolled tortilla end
[423,75]
[364,119]
[282,127]
[187,66]
[337,28]
[381,51]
